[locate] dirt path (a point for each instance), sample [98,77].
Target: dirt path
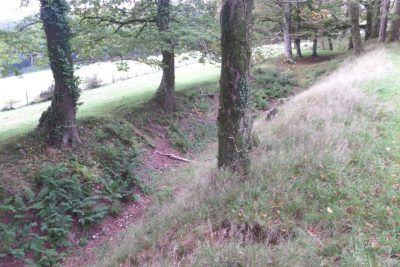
[133,212]
[156,161]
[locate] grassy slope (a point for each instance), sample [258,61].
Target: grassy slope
[323,191]
[101,101]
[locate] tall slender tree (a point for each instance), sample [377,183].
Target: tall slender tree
[384,20]
[369,17]
[287,37]
[395,25]
[234,118]
[355,26]
[315,46]
[60,118]
[166,90]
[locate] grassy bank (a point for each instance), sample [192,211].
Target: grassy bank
[323,191]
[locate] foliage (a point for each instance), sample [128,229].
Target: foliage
[92,82]
[9,105]
[119,182]
[270,84]
[37,224]
[179,138]
[45,95]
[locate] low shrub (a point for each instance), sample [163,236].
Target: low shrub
[179,138]
[270,84]
[93,82]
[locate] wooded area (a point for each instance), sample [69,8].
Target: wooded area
[70,173]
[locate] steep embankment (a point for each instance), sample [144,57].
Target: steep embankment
[324,187]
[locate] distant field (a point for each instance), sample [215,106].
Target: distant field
[100,101]
[17,89]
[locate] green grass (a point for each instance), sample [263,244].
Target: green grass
[323,190]
[106,100]
[326,53]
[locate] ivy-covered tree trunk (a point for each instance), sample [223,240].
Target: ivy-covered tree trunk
[384,20]
[59,120]
[314,47]
[355,27]
[370,14]
[395,25]
[234,118]
[287,38]
[376,21]
[165,95]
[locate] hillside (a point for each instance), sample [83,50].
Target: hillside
[208,133]
[121,171]
[323,188]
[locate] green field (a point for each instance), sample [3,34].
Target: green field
[101,101]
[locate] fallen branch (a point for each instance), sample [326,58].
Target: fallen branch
[174,157]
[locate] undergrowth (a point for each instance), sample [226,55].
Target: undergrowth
[63,192]
[38,223]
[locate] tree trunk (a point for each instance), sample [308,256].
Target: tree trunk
[234,118]
[384,20]
[376,21]
[395,25]
[287,38]
[297,42]
[330,43]
[59,120]
[355,27]
[323,43]
[350,45]
[314,47]
[165,95]
[369,18]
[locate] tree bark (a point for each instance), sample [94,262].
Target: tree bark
[59,120]
[395,25]
[355,27]
[350,46]
[297,43]
[384,20]
[165,95]
[297,40]
[287,38]
[234,118]
[369,18]
[376,21]
[314,47]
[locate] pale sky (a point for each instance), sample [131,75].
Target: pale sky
[12,10]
